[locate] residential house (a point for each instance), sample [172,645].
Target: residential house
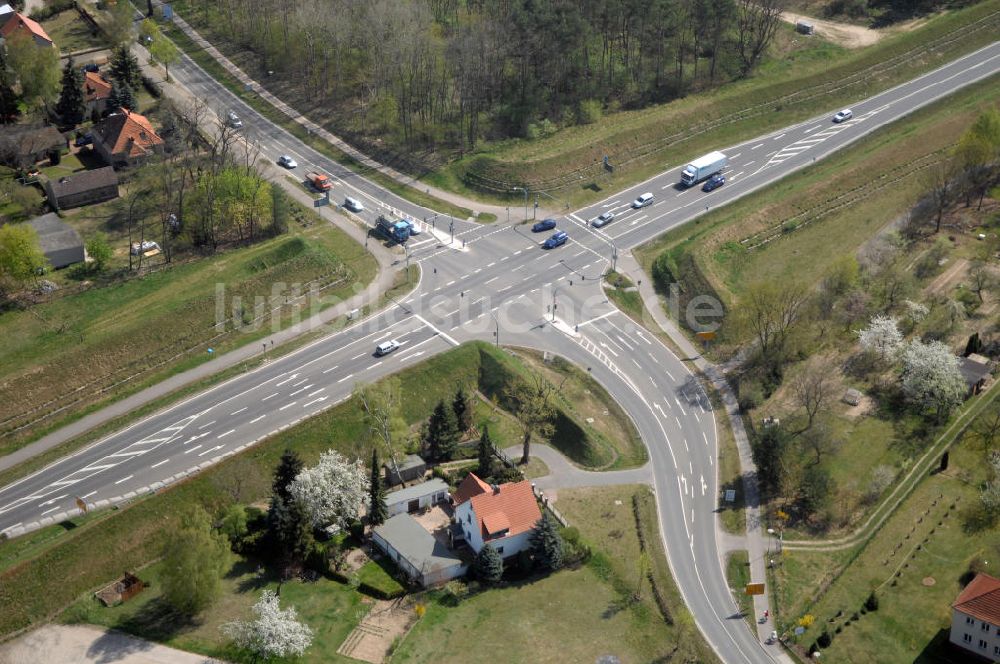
[975,619]
[82,188]
[23,146]
[975,370]
[96,91]
[16,22]
[417,497]
[411,468]
[421,556]
[60,243]
[125,138]
[502,515]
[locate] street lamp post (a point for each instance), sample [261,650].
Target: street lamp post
[770,535]
[497,333]
[554,305]
[525,191]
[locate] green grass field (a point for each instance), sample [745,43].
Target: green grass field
[70,33]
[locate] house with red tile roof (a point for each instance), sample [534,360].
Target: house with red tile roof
[17,22]
[502,515]
[975,618]
[96,91]
[125,138]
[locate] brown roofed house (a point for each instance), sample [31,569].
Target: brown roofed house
[502,515]
[96,91]
[126,138]
[975,619]
[18,22]
[83,188]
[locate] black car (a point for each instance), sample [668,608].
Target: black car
[90,67]
[714,182]
[544,225]
[86,139]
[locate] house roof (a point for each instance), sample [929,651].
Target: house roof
[416,491]
[84,181]
[95,86]
[409,461]
[981,599]
[18,21]
[54,234]
[972,371]
[6,9]
[418,546]
[27,140]
[511,507]
[127,132]
[470,486]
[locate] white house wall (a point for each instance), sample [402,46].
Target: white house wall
[972,635]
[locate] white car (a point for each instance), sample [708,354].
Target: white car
[287,162]
[415,227]
[234,120]
[845,114]
[386,347]
[604,218]
[353,204]
[643,201]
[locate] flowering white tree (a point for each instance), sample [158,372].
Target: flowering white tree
[273,632]
[915,311]
[332,490]
[991,492]
[882,337]
[931,377]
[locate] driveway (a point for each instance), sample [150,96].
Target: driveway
[78,644]
[563,474]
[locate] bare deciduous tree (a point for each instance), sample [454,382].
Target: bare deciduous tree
[756,23]
[813,388]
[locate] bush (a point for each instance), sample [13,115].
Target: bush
[872,602]
[152,87]
[590,111]
[824,640]
[50,9]
[454,592]
[357,530]
[751,395]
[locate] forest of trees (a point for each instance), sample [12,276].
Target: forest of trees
[451,72]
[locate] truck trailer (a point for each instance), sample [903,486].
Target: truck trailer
[702,168]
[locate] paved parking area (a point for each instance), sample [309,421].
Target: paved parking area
[79,644]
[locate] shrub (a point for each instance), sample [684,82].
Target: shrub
[824,640]
[454,592]
[590,111]
[152,87]
[872,602]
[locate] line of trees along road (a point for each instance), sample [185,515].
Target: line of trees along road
[454,71]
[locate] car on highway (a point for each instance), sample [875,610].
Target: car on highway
[558,238]
[386,347]
[234,120]
[603,218]
[287,162]
[845,114]
[353,204]
[714,182]
[544,225]
[643,201]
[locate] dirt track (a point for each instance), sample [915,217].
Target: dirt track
[849,36]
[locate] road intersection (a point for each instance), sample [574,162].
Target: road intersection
[491,283]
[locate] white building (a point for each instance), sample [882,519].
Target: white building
[419,554]
[417,497]
[503,515]
[975,618]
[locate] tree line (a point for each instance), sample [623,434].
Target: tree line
[444,71]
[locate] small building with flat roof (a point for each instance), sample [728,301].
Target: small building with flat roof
[60,243]
[417,497]
[421,556]
[411,468]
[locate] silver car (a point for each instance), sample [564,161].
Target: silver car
[604,218]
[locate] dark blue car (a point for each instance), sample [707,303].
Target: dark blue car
[557,239]
[714,182]
[86,139]
[544,225]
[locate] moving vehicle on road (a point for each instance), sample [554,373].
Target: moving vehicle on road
[643,201]
[558,238]
[320,181]
[386,347]
[415,227]
[353,204]
[843,115]
[544,225]
[714,182]
[603,218]
[287,162]
[703,167]
[234,120]
[393,229]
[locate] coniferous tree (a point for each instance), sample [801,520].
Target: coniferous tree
[8,99]
[71,107]
[487,454]
[377,512]
[442,432]
[125,69]
[488,565]
[462,405]
[289,525]
[546,544]
[288,469]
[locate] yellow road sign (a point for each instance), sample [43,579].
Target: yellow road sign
[755,589]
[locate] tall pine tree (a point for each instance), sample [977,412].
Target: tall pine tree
[377,511]
[487,454]
[442,432]
[121,97]
[288,523]
[488,565]
[8,99]
[288,469]
[125,69]
[462,405]
[71,107]
[546,544]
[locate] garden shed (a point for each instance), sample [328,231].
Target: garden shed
[60,243]
[411,468]
[417,497]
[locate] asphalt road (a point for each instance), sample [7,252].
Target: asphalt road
[489,280]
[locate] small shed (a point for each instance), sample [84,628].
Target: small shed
[804,27]
[121,590]
[412,467]
[852,397]
[417,497]
[975,370]
[60,243]
[83,188]
[423,558]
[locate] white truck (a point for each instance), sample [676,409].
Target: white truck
[702,168]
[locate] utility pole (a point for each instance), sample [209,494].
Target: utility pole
[497,333]
[525,191]
[554,305]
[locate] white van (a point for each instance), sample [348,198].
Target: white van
[386,347]
[353,204]
[643,201]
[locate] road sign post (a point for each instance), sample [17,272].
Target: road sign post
[755,589]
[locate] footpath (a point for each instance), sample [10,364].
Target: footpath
[366,296]
[80,644]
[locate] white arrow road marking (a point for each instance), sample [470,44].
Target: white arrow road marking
[287,380]
[704,485]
